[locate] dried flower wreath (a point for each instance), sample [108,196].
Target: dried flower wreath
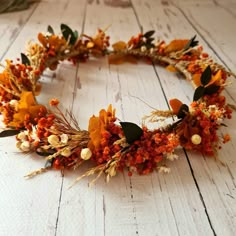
[110,146]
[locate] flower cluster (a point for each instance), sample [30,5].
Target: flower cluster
[110,145]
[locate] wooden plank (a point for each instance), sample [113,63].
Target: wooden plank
[215,182]
[217,33]
[10,26]
[147,205]
[30,207]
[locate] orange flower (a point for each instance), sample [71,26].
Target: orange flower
[52,41]
[54,102]
[97,125]
[27,107]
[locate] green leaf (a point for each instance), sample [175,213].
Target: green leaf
[199,92]
[45,153]
[191,43]
[148,34]
[206,76]
[68,34]
[24,59]
[76,34]
[211,89]
[50,29]
[222,124]
[183,111]
[9,132]
[132,131]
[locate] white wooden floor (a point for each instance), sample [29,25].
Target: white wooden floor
[198,197]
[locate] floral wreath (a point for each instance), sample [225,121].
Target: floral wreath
[112,146]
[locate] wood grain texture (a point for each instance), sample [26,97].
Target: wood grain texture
[196,198]
[213,180]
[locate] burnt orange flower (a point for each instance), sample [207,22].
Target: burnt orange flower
[97,125]
[54,102]
[27,107]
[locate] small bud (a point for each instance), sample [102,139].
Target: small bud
[21,136]
[112,171]
[18,144]
[143,49]
[64,138]
[53,140]
[25,146]
[66,152]
[196,139]
[85,154]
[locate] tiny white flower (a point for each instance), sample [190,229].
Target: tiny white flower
[25,146]
[164,169]
[85,154]
[64,138]
[171,156]
[144,39]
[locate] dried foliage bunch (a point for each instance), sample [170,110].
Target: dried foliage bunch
[112,146]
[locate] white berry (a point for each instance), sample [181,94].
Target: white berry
[196,139]
[85,154]
[53,140]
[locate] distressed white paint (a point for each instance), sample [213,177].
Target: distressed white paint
[192,200]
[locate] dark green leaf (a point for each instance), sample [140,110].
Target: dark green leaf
[191,43]
[132,131]
[76,34]
[149,33]
[206,76]
[24,59]
[50,29]
[9,132]
[150,40]
[68,34]
[183,111]
[222,124]
[199,92]
[211,89]
[45,153]
[48,163]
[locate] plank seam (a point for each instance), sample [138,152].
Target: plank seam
[59,205]
[201,35]
[200,194]
[26,21]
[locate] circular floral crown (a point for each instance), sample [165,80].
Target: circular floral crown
[112,146]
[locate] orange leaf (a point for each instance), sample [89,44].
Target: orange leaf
[175,105]
[119,46]
[38,89]
[176,45]
[26,100]
[215,78]
[197,79]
